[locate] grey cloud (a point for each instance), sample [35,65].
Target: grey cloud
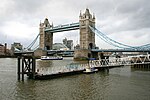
[123,15]
[28,6]
[137,12]
[112,16]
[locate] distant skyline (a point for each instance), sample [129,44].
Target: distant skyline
[126,21]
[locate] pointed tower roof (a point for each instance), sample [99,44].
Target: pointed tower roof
[87,12]
[80,13]
[52,24]
[93,16]
[80,16]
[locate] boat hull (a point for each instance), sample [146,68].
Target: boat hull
[53,59]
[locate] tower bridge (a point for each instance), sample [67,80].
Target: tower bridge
[87,33]
[87,36]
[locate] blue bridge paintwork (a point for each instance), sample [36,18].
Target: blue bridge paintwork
[119,50]
[93,50]
[61,28]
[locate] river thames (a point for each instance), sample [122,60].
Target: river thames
[120,83]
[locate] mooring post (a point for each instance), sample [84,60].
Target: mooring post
[33,67]
[22,68]
[29,66]
[18,68]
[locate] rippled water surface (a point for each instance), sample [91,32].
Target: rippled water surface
[121,83]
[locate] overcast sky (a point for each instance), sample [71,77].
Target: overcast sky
[126,21]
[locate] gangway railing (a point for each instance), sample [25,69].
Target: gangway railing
[101,63]
[141,59]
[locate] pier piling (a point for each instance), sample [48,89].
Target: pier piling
[26,65]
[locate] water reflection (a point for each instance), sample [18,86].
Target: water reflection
[90,87]
[25,90]
[77,87]
[121,83]
[115,84]
[140,69]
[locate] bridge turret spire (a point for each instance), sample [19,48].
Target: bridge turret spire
[52,25]
[80,13]
[46,22]
[93,16]
[87,12]
[80,16]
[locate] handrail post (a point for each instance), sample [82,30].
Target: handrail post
[18,73]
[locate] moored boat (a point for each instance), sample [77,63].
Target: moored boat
[89,70]
[51,58]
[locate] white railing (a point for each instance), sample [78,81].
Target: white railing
[121,61]
[131,60]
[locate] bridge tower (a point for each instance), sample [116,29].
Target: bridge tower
[46,38]
[87,37]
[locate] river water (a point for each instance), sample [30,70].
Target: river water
[121,83]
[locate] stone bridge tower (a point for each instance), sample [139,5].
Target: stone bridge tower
[87,37]
[46,38]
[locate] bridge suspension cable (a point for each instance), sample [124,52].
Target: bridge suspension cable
[111,41]
[101,36]
[115,43]
[33,42]
[36,47]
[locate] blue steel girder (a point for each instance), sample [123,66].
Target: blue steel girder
[118,50]
[61,28]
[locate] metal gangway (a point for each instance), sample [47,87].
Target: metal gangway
[130,60]
[99,64]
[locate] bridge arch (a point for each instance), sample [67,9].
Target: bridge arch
[91,45]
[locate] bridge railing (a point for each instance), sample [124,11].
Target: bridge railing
[109,62]
[96,63]
[121,61]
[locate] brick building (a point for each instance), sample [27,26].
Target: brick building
[3,49]
[68,43]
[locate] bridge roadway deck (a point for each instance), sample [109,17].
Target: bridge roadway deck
[93,50]
[103,50]
[119,50]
